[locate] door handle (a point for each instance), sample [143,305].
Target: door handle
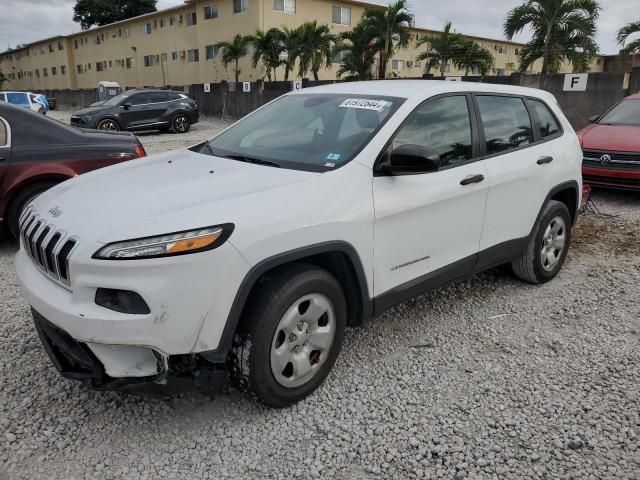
[472,179]
[544,160]
[2,159]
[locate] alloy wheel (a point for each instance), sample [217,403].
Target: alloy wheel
[108,125]
[181,123]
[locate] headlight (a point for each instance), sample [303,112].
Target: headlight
[179,243]
[86,118]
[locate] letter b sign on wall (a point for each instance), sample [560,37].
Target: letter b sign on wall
[575,82]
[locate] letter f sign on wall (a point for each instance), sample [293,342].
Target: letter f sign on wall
[575,82]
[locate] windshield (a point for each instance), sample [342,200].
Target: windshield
[117,99]
[316,132]
[626,112]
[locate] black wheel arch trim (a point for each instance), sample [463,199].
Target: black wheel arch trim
[257,271]
[570,185]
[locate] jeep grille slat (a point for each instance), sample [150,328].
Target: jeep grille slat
[48,248]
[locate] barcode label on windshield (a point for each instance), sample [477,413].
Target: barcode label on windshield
[365,104]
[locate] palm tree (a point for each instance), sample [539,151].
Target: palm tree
[442,49]
[472,55]
[360,52]
[315,48]
[623,35]
[233,51]
[390,27]
[561,29]
[267,46]
[291,38]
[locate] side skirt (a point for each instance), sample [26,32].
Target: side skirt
[489,258]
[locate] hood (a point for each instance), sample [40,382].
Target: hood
[130,199]
[616,138]
[84,111]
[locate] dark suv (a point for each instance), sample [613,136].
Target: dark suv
[140,110]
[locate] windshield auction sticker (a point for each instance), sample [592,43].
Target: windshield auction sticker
[364,104]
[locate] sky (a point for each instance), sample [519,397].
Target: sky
[25,21]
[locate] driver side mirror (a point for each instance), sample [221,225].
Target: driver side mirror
[594,119]
[127,105]
[411,159]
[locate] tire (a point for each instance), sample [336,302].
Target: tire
[548,246]
[180,123]
[21,200]
[298,315]
[108,125]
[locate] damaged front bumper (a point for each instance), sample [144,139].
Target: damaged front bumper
[156,375]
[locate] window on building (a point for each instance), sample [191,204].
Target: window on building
[193,55]
[45,72]
[130,63]
[149,60]
[341,15]
[210,11]
[192,19]
[79,70]
[397,64]
[501,72]
[63,69]
[240,6]
[60,46]
[288,6]
[599,61]
[442,125]
[127,32]
[99,66]
[162,23]
[54,71]
[146,29]
[506,123]
[340,56]
[212,52]
[174,56]
[173,20]
[517,51]
[50,48]
[547,122]
[97,40]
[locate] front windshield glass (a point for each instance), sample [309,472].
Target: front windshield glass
[625,113]
[316,132]
[117,99]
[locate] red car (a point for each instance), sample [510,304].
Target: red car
[37,153]
[611,147]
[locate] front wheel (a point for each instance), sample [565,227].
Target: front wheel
[548,246]
[108,125]
[20,202]
[290,335]
[181,123]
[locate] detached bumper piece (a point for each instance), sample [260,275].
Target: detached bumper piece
[74,360]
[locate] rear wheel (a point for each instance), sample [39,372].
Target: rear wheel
[109,125]
[290,335]
[548,246]
[181,123]
[21,200]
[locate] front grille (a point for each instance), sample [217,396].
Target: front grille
[616,160]
[48,247]
[613,182]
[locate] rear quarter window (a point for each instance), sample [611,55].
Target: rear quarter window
[3,133]
[547,123]
[158,97]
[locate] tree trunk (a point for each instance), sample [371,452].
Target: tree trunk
[382,68]
[315,74]
[286,73]
[237,72]
[545,57]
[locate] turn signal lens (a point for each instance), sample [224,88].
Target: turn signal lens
[140,151]
[193,243]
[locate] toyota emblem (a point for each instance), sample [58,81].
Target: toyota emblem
[605,160]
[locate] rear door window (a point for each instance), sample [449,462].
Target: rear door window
[3,134]
[547,123]
[506,123]
[158,97]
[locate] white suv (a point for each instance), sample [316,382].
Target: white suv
[249,254]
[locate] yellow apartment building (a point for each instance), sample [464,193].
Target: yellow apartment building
[176,46]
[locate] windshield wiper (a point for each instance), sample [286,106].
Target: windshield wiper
[254,160]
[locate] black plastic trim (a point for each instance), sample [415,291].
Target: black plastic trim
[219,354]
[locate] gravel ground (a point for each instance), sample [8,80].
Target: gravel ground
[488,378]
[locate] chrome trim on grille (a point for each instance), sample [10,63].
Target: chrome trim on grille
[44,244]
